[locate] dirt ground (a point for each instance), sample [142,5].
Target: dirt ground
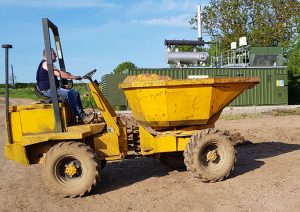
[266,178]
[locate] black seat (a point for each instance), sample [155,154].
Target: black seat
[41,97]
[47,100]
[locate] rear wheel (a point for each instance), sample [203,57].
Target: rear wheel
[210,155]
[70,169]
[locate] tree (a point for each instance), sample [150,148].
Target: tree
[226,19]
[293,54]
[263,22]
[123,66]
[274,22]
[294,65]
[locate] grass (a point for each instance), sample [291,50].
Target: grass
[239,116]
[284,112]
[29,93]
[277,112]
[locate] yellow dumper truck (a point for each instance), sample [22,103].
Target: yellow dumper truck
[173,116]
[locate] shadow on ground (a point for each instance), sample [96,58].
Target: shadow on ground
[249,156]
[121,174]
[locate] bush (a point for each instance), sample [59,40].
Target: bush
[26,90]
[27,93]
[294,77]
[20,85]
[86,97]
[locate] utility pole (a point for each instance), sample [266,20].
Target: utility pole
[12,77]
[7,47]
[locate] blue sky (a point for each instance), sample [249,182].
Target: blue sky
[94,33]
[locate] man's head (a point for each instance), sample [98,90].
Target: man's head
[53,54]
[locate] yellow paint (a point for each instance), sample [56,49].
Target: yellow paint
[24,120]
[87,128]
[211,156]
[74,133]
[15,124]
[110,145]
[106,144]
[189,105]
[37,121]
[16,108]
[33,119]
[169,141]
[123,145]
[16,152]
[32,124]
[154,144]
[182,141]
[165,103]
[71,170]
[107,111]
[114,158]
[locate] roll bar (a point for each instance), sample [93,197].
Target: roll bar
[47,24]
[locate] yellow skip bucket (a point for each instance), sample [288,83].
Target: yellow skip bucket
[161,102]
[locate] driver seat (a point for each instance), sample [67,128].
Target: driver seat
[40,96]
[47,100]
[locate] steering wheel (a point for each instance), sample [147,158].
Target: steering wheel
[89,74]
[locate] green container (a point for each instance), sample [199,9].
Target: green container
[111,91]
[272,89]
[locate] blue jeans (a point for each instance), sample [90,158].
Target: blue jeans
[71,96]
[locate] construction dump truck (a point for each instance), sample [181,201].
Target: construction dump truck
[173,116]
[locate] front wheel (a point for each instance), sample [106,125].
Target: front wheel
[70,169]
[210,155]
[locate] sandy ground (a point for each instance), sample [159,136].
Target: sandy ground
[266,178]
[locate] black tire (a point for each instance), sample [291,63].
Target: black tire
[210,155]
[173,160]
[83,177]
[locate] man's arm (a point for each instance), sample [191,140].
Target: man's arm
[61,74]
[65,75]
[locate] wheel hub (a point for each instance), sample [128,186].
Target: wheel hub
[71,169]
[211,156]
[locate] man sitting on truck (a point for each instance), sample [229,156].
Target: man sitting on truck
[71,96]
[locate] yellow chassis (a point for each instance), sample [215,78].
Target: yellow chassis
[33,133]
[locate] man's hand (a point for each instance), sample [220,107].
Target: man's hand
[78,78]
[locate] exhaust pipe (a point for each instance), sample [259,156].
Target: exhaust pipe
[199,22]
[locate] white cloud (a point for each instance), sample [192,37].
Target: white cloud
[141,7]
[151,6]
[165,12]
[177,5]
[181,20]
[57,3]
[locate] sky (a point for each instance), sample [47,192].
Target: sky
[94,33]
